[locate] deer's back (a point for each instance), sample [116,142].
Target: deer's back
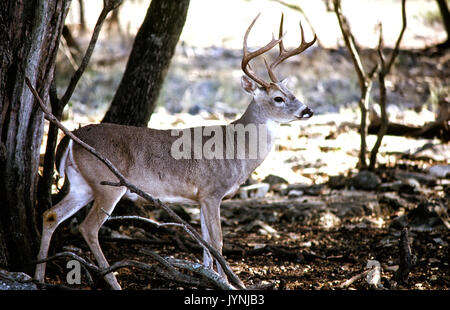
[143,156]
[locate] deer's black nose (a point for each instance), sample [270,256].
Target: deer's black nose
[306,113]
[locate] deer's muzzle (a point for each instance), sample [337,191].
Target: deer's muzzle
[306,113]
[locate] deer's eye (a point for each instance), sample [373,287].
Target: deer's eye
[278,99]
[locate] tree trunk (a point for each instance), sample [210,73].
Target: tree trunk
[83,26]
[29,39]
[150,57]
[445,14]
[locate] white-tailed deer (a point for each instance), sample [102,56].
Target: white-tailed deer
[146,158]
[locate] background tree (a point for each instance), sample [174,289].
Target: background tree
[147,65]
[171,12]
[445,14]
[365,79]
[382,69]
[29,37]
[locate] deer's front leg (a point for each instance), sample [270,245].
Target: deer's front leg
[211,230]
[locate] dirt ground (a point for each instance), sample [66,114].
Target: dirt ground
[335,255]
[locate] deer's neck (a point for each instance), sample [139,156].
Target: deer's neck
[256,116]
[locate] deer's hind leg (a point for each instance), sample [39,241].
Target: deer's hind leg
[79,195]
[106,199]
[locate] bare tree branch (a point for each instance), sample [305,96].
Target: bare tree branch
[351,44]
[382,103]
[72,255]
[142,219]
[365,80]
[109,5]
[169,272]
[153,222]
[298,8]
[399,39]
[384,70]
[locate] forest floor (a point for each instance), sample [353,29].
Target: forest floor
[321,222]
[312,242]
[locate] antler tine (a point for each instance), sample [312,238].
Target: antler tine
[280,34]
[284,54]
[306,44]
[282,50]
[250,55]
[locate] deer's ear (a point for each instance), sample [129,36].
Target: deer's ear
[285,81]
[249,85]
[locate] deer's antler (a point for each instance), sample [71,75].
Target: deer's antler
[284,54]
[250,55]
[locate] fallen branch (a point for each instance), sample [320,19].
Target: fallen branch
[155,223]
[49,286]
[169,272]
[72,255]
[428,131]
[141,219]
[201,270]
[353,279]
[122,181]
[175,237]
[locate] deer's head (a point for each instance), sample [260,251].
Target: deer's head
[274,97]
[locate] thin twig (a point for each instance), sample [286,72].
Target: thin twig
[72,255]
[396,50]
[298,8]
[142,219]
[66,50]
[108,6]
[191,281]
[159,259]
[157,224]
